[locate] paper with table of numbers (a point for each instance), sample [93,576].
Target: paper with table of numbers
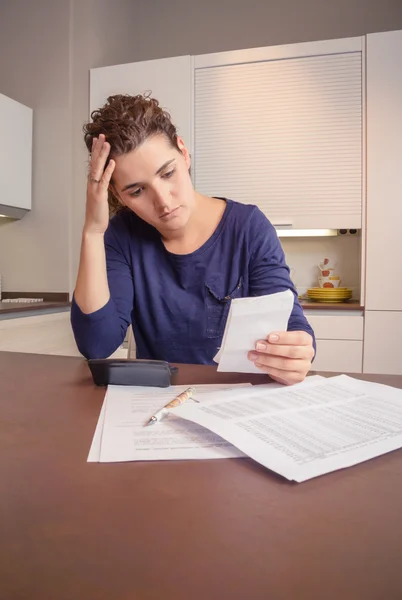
[121,434]
[250,320]
[306,430]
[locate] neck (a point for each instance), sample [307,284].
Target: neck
[205,217]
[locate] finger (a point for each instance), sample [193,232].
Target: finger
[290,338]
[107,174]
[306,352]
[94,149]
[97,144]
[279,362]
[98,165]
[284,377]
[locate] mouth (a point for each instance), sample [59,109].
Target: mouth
[169,215]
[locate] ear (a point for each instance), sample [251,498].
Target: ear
[184,151]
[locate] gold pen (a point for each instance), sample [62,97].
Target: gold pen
[178,401]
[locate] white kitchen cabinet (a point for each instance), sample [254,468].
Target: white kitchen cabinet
[383,316]
[168,79]
[282,127]
[337,326]
[15,158]
[42,334]
[383,342]
[340,356]
[384,174]
[339,336]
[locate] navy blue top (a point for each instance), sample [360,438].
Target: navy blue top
[178,304]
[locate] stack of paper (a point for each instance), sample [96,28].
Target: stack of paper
[306,430]
[312,428]
[121,434]
[250,320]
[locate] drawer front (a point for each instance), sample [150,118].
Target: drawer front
[336,328]
[342,356]
[382,342]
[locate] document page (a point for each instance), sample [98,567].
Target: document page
[306,430]
[94,452]
[250,320]
[121,434]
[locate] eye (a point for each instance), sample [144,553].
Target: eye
[168,174]
[136,193]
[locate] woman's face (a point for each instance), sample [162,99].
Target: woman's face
[154,182]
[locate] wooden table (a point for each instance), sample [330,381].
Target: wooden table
[196,530]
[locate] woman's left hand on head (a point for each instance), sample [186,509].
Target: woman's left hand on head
[285,356]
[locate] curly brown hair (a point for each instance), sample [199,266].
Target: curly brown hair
[127,121]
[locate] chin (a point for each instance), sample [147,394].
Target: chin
[175,225]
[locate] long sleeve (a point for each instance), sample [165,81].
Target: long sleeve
[268,270]
[100,333]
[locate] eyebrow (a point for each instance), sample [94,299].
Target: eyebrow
[138,184]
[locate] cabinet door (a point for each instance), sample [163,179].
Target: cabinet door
[168,79]
[384,171]
[42,334]
[283,130]
[339,356]
[342,327]
[382,342]
[15,154]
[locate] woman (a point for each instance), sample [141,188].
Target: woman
[171,259]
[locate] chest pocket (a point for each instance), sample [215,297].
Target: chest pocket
[217,308]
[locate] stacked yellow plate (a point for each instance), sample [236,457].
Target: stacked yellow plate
[329,294]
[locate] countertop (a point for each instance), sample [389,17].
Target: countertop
[15,307]
[348,305]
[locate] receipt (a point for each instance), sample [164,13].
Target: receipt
[250,320]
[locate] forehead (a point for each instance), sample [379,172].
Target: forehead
[147,158]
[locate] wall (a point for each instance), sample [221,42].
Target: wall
[304,254]
[34,70]
[46,50]
[195,27]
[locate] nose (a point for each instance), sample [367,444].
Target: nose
[162,200]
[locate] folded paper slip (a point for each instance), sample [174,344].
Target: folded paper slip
[250,320]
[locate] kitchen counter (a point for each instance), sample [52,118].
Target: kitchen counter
[34,307]
[348,305]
